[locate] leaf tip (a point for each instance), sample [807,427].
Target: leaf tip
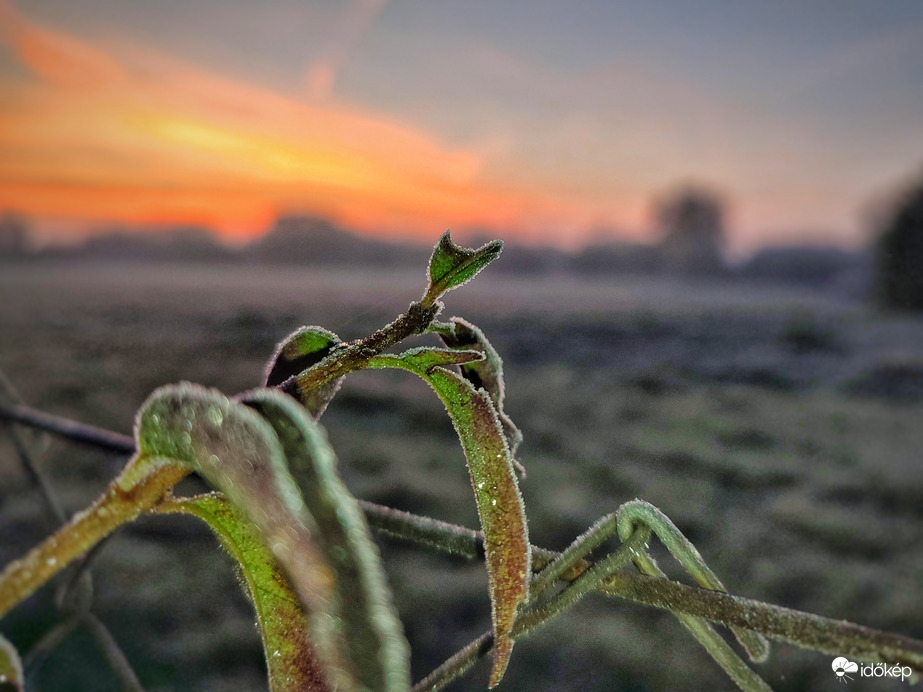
[503,648]
[452,265]
[11,670]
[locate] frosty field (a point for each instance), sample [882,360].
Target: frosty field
[781,430]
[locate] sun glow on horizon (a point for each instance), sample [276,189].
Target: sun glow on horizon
[394,120]
[124,134]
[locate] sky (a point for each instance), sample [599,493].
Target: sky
[543,121]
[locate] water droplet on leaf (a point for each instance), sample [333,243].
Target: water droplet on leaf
[215,415]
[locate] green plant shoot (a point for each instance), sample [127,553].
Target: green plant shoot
[490,465]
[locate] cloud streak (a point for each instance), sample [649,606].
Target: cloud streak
[60,60]
[131,135]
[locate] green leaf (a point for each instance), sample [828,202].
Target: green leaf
[290,659]
[11,676]
[452,265]
[380,656]
[238,452]
[500,506]
[486,372]
[295,354]
[427,357]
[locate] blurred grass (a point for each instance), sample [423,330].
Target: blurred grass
[770,426]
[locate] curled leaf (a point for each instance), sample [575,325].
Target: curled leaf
[290,659]
[644,513]
[379,653]
[296,353]
[500,506]
[486,372]
[11,676]
[452,265]
[238,452]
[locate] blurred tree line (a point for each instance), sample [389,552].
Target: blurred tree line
[690,222]
[899,252]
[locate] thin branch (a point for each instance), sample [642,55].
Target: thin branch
[49,641]
[805,630]
[835,637]
[110,648]
[639,513]
[538,614]
[21,443]
[71,430]
[35,474]
[456,666]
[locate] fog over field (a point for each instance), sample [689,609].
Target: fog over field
[778,427]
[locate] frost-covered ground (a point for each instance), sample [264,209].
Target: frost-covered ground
[781,430]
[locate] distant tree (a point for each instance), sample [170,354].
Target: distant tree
[14,236]
[691,223]
[899,253]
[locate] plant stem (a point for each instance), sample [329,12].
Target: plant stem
[834,637]
[48,642]
[717,648]
[806,630]
[68,429]
[110,648]
[114,507]
[357,354]
[342,361]
[456,666]
[535,615]
[637,512]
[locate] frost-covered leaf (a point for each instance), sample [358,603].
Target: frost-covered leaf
[452,265]
[238,452]
[295,354]
[11,677]
[378,651]
[486,372]
[290,659]
[500,506]
[428,357]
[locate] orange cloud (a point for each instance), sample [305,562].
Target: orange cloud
[236,213]
[59,59]
[135,136]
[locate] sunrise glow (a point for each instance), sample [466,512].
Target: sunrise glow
[98,128]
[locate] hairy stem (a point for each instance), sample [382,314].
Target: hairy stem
[356,355]
[342,361]
[834,637]
[536,614]
[456,666]
[806,630]
[22,577]
[711,641]
[637,512]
